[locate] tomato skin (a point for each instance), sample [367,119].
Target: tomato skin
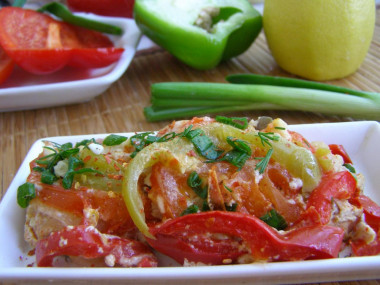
[339,150]
[94,57]
[43,61]
[6,66]
[372,218]
[43,45]
[265,243]
[116,8]
[89,243]
[340,185]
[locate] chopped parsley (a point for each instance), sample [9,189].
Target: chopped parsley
[274,219]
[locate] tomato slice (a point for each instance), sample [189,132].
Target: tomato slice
[43,45]
[89,243]
[179,239]
[340,150]
[118,8]
[6,66]
[340,185]
[372,218]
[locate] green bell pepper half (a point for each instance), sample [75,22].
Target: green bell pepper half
[200,33]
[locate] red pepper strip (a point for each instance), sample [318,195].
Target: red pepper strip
[89,243]
[372,218]
[178,238]
[339,149]
[6,66]
[340,185]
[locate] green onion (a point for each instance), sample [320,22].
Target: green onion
[195,183]
[203,144]
[259,79]
[199,98]
[190,210]
[274,219]
[25,193]
[114,140]
[238,155]
[62,12]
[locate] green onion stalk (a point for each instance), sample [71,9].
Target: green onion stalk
[172,100]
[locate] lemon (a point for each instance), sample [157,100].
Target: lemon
[319,39]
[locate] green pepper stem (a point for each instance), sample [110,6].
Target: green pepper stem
[62,12]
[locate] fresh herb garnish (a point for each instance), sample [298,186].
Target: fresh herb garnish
[195,182]
[227,188]
[266,137]
[238,155]
[203,144]
[112,140]
[193,209]
[263,163]
[349,167]
[73,165]
[25,193]
[240,123]
[231,208]
[275,220]
[59,153]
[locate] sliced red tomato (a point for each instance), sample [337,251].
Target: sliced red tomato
[113,214]
[340,185]
[182,238]
[6,66]
[89,243]
[372,218]
[339,149]
[117,8]
[43,45]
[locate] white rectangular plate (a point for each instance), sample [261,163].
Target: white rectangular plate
[360,140]
[23,90]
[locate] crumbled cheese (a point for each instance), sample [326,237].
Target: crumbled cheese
[61,168]
[296,183]
[96,148]
[110,260]
[62,242]
[258,176]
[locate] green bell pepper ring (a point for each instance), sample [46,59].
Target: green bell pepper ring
[200,33]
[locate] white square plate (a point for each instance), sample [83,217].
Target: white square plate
[23,90]
[360,140]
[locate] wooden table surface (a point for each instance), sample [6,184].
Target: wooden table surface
[120,108]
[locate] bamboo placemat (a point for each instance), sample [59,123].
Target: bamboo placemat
[119,109]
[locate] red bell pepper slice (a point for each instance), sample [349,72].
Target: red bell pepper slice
[181,239]
[372,218]
[339,185]
[89,243]
[6,66]
[116,8]
[43,45]
[339,150]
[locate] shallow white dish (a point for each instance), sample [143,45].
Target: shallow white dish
[360,140]
[23,90]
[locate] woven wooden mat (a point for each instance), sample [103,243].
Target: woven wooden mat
[120,108]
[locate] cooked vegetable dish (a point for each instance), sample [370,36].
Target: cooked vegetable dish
[203,191]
